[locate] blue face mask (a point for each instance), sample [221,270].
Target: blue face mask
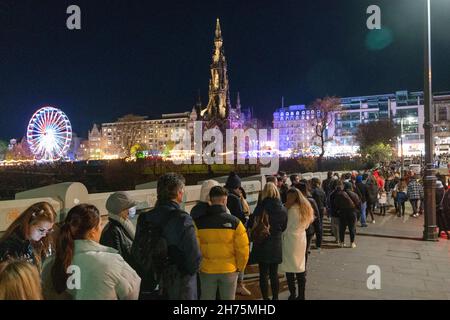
[131,212]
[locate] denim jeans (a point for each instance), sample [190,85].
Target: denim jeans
[363,213]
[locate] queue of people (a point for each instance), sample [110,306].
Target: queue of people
[176,255]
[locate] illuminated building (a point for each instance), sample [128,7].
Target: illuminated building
[403,107]
[297,131]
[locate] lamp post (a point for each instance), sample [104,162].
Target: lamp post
[429,232]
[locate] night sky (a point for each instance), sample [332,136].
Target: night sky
[151,57]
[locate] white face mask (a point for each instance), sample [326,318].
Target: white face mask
[131,212]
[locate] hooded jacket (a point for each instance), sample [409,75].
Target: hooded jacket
[223,241]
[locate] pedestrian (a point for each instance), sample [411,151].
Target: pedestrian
[401,197]
[382,201]
[244,203]
[362,187]
[415,194]
[372,196]
[334,214]
[235,205]
[202,205]
[319,197]
[175,228]
[441,217]
[224,246]
[19,280]
[29,237]
[119,232]
[268,252]
[295,178]
[102,273]
[294,242]
[316,227]
[445,217]
[326,184]
[346,203]
[282,186]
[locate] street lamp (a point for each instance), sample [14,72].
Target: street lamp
[429,232]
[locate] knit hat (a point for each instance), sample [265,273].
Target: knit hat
[206,187]
[118,202]
[439,184]
[359,179]
[233,181]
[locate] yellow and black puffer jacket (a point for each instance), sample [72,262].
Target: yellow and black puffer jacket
[223,241]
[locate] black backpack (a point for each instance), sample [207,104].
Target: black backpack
[150,252]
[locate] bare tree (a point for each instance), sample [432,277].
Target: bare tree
[324,114]
[131,131]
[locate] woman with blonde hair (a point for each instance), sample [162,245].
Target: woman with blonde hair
[28,237]
[294,242]
[266,225]
[19,280]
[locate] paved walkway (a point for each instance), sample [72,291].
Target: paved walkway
[409,268]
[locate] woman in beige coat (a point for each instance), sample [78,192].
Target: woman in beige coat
[300,216]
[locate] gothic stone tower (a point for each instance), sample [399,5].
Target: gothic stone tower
[217,111]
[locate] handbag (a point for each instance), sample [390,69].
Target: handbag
[261,228]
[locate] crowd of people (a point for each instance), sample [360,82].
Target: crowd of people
[175,255]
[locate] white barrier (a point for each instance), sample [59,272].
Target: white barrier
[65,196]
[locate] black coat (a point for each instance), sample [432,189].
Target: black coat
[372,193]
[362,191]
[283,192]
[234,204]
[321,199]
[115,236]
[270,250]
[345,201]
[17,248]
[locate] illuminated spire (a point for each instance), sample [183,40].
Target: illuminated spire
[218,30]
[238,101]
[219,95]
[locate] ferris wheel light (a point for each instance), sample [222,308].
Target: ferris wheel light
[49,134]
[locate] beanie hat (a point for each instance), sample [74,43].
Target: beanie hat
[233,181]
[439,184]
[359,179]
[206,187]
[118,202]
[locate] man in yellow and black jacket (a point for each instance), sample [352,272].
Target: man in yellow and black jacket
[224,246]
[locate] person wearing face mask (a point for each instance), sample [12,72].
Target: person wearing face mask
[28,237]
[119,232]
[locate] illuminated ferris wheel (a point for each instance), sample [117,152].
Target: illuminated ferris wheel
[49,134]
